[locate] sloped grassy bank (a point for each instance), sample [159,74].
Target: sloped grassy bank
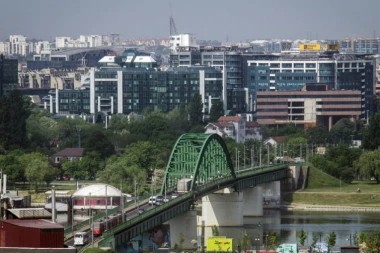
[323,189]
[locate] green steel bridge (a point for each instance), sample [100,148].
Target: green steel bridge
[203,160]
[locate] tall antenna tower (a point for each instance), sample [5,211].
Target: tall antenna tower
[173,28]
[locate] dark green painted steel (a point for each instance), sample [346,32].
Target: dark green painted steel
[203,157]
[200,158]
[147,220]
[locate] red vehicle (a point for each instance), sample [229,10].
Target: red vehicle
[107,223]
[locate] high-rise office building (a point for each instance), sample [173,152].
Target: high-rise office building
[292,72]
[8,74]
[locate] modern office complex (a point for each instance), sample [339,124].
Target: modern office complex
[314,105]
[115,90]
[232,61]
[8,74]
[292,72]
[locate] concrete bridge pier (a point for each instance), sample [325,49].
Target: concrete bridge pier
[253,201]
[185,224]
[223,208]
[272,193]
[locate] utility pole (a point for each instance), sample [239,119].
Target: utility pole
[236,159]
[260,157]
[106,207]
[244,156]
[134,180]
[92,224]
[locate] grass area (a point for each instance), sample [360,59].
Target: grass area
[324,189]
[98,250]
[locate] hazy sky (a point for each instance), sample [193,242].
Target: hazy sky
[237,20]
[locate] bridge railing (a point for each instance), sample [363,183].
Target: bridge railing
[109,234]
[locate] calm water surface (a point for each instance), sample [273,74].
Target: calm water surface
[288,223]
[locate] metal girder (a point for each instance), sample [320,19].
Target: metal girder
[125,232]
[201,158]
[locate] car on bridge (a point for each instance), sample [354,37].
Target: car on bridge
[152,200]
[159,200]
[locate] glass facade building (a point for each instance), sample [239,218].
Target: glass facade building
[291,73]
[8,74]
[126,90]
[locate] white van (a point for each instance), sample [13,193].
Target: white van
[80,238]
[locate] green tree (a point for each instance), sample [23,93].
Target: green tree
[74,169]
[302,236]
[273,242]
[331,241]
[91,163]
[12,167]
[369,163]
[119,170]
[342,130]
[144,155]
[297,146]
[195,110]
[362,237]
[341,162]
[371,134]
[246,242]
[37,169]
[373,241]
[314,240]
[216,111]
[42,130]
[317,135]
[355,238]
[95,140]
[14,111]
[215,230]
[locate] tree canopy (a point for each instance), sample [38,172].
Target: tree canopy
[369,164]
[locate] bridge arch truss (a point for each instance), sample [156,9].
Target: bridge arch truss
[197,159]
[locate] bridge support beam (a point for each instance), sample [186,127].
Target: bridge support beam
[223,208]
[186,224]
[253,201]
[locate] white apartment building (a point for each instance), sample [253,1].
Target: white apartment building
[41,46]
[182,40]
[61,42]
[18,45]
[5,48]
[91,40]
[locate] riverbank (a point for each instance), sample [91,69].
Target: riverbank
[331,201]
[325,208]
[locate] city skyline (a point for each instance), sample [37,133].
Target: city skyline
[222,20]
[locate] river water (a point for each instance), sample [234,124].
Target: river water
[288,223]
